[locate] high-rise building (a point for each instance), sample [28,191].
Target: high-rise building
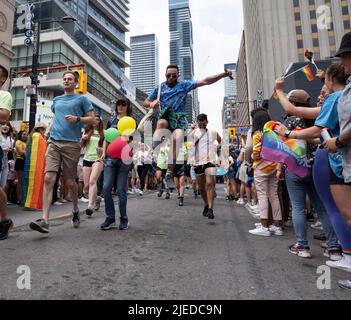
[7,12]
[95,43]
[278,33]
[230,89]
[144,61]
[181,48]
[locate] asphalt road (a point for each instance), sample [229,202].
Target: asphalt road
[169,252]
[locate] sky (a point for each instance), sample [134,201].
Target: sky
[217,31]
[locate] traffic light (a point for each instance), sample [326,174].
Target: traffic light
[232,133]
[82,86]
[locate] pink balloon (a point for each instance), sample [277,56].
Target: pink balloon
[119,149]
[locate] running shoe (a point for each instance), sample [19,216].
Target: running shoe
[317,226]
[5,227]
[345,284]
[108,224]
[124,225]
[181,201]
[342,264]
[210,214]
[300,251]
[276,231]
[261,231]
[97,203]
[40,225]
[334,254]
[205,212]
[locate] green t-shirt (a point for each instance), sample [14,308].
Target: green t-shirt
[183,154]
[5,103]
[91,154]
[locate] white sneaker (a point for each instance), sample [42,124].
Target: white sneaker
[258,225]
[241,201]
[262,231]
[58,203]
[84,200]
[135,190]
[130,192]
[141,193]
[317,226]
[276,231]
[342,264]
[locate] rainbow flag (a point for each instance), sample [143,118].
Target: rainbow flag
[275,95]
[290,152]
[308,73]
[33,176]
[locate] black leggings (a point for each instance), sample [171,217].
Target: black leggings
[142,173]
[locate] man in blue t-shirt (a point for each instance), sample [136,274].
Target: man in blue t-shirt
[71,112]
[172,101]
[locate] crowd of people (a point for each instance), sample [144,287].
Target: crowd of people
[78,164]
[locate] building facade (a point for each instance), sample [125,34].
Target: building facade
[230,86]
[181,48]
[144,61]
[71,44]
[7,13]
[278,33]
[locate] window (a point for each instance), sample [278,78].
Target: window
[297,16]
[347,24]
[314,28]
[298,30]
[299,44]
[296,3]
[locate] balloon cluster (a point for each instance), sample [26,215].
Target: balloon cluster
[126,127]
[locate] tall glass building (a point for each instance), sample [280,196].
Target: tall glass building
[181,48]
[96,41]
[144,61]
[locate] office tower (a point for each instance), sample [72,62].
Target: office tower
[144,61]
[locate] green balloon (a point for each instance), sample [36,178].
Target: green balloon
[111,135]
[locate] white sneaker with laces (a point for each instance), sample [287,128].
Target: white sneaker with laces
[342,264]
[276,231]
[241,201]
[262,231]
[258,225]
[84,200]
[317,226]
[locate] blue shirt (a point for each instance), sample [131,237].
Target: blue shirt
[75,105]
[174,97]
[329,118]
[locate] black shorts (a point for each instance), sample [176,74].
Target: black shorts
[187,171]
[178,170]
[19,165]
[334,180]
[200,170]
[88,164]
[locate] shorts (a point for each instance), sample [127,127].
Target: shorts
[249,182]
[176,120]
[243,173]
[334,180]
[65,153]
[187,171]
[200,170]
[179,171]
[231,174]
[88,164]
[19,165]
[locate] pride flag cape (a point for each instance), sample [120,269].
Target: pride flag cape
[33,176]
[291,152]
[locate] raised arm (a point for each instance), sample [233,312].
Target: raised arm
[303,112]
[213,79]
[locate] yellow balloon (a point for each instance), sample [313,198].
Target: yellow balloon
[126,126]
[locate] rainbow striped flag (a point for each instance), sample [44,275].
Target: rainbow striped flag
[308,73]
[33,176]
[291,152]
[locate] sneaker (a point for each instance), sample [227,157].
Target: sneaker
[130,191]
[84,200]
[5,227]
[124,225]
[276,231]
[181,201]
[300,251]
[205,212]
[334,254]
[261,231]
[342,264]
[345,284]
[241,201]
[97,203]
[76,220]
[317,226]
[258,225]
[40,225]
[135,190]
[57,203]
[168,196]
[89,212]
[108,224]
[141,193]
[227,198]
[210,214]
[178,195]
[288,224]
[160,193]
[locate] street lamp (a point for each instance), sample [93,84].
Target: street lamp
[35,65]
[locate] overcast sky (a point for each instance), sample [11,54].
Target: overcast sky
[217,29]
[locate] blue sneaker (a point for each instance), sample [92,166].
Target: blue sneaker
[124,225]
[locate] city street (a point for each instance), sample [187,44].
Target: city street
[169,252]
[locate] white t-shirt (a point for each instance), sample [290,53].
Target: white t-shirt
[206,148]
[7,142]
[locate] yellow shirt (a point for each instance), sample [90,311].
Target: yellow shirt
[20,145]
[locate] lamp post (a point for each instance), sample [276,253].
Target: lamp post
[35,65]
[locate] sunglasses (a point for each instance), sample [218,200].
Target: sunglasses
[169,76]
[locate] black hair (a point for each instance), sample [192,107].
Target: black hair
[172,66]
[259,120]
[4,73]
[202,117]
[127,103]
[253,112]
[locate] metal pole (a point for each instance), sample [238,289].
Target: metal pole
[34,76]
